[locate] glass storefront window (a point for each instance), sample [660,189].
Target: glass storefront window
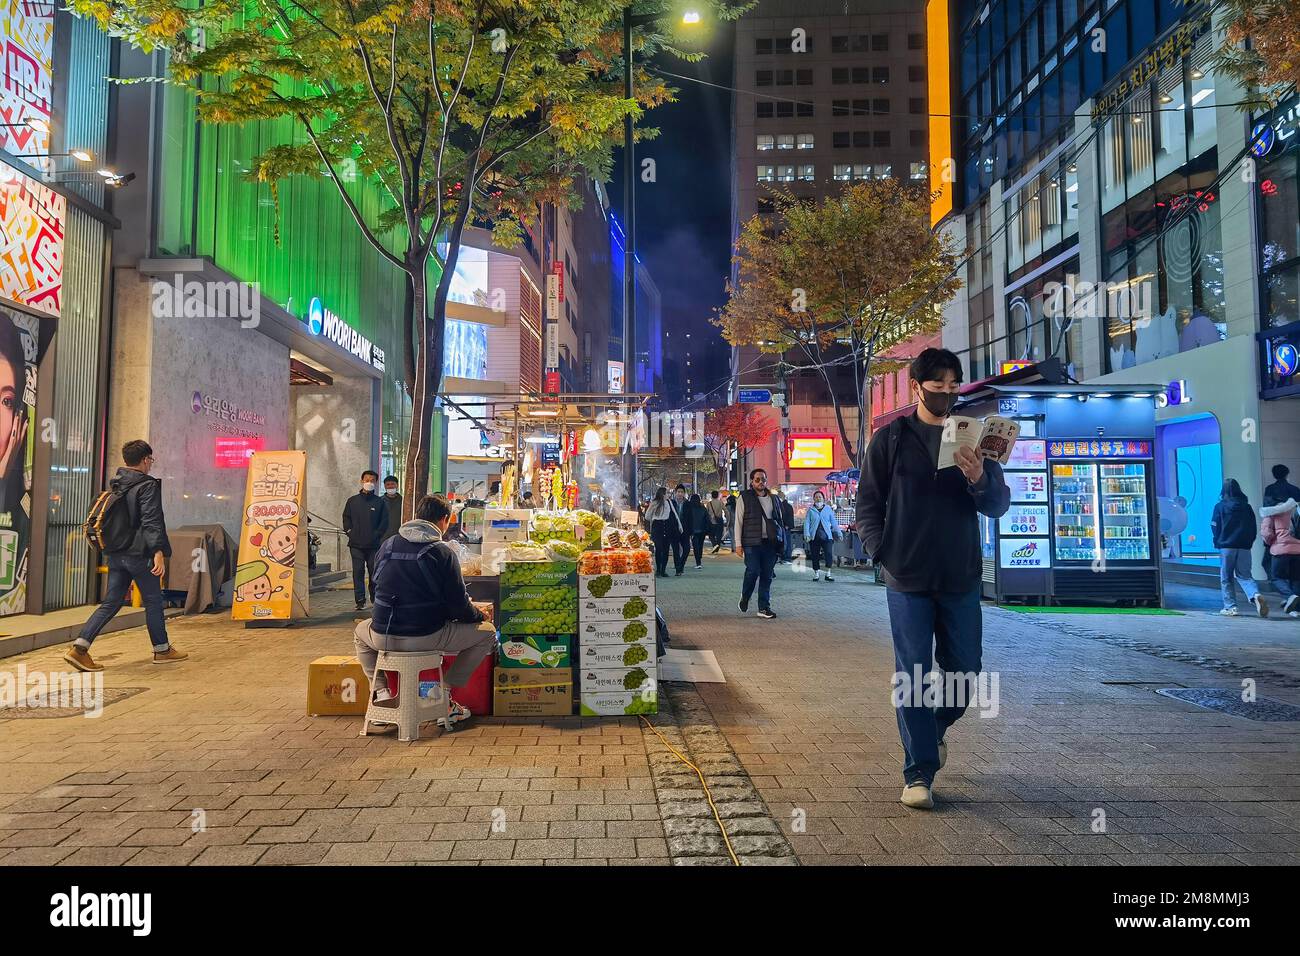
[1111,160]
[1171,101]
[1203,106]
[1139,166]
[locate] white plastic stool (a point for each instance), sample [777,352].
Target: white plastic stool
[412,710]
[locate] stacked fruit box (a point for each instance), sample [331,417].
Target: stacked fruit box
[538,623]
[618,665]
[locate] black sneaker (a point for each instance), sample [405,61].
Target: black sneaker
[744,606]
[361,605]
[766,612]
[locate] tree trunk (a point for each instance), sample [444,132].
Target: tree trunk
[408,336]
[417,445]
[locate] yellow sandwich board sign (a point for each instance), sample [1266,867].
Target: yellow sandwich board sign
[271,579]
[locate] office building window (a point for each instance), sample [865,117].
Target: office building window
[784,110]
[840,44]
[880,138]
[762,45]
[806,173]
[840,107]
[879,42]
[763,78]
[785,140]
[862,171]
[916,41]
[916,74]
[880,106]
[843,172]
[784,77]
[804,110]
[916,137]
[861,74]
[767,174]
[862,107]
[880,74]
[804,140]
[785,174]
[916,105]
[840,74]
[884,171]
[919,171]
[765,142]
[840,139]
[764,110]
[861,138]
[803,77]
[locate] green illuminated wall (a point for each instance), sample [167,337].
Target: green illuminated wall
[207,208]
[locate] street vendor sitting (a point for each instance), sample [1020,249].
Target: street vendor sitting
[421,604]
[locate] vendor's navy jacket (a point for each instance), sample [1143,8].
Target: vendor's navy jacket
[418,584]
[917,522]
[1233,524]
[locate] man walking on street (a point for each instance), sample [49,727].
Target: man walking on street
[919,524]
[787,522]
[730,505]
[142,560]
[365,520]
[757,516]
[717,520]
[681,542]
[393,501]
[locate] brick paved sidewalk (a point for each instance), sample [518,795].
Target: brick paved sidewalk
[805,712]
[806,708]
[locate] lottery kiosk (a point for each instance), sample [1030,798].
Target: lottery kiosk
[1082,527]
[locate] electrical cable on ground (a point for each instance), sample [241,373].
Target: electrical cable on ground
[707,794]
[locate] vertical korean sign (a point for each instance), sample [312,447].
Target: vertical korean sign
[271,579]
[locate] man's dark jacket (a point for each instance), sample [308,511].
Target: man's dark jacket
[918,522]
[418,584]
[365,519]
[394,505]
[144,500]
[1280,491]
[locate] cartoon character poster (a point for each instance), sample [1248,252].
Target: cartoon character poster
[271,579]
[23,340]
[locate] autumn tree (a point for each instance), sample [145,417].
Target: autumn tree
[459,109]
[842,281]
[744,427]
[1261,45]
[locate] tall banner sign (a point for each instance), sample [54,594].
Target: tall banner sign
[271,579]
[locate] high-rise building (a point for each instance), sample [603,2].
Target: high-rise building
[1130,220]
[828,94]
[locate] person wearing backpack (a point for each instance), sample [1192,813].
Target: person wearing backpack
[920,524]
[127,525]
[421,604]
[1280,528]
[1233,527]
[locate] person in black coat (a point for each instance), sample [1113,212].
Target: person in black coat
[1233,527]
[365,522]
[695,519]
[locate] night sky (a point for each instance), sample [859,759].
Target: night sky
[684,218]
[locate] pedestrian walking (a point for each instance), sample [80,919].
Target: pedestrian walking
[665,527]
[1280,528]
[730,505]
[128,526]
[393,502]
[819,531]
[682,541]
[365,520]
[1279,491]
[787,524]
[696,520]
[717,520]
[757,533]
[920,525]
[1233,527]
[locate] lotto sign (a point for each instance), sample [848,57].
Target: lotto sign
[1025,553]
[1027,486]
[271,577]
[1024,519]
[1028,453]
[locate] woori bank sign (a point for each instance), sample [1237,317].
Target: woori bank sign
[321,321]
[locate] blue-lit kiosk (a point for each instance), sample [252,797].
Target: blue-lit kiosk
[1082,527]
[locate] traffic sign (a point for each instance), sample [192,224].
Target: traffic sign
[755,396]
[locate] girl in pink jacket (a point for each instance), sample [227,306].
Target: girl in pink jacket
[1276,529]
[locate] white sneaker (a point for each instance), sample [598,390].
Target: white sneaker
[817,575]
[1229,612]
[1260,605]
[828,576]
[382,694]
[1294,614]
[1290,604]
[917,796]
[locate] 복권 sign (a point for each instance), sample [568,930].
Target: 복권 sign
[1027,485]
[1024,553]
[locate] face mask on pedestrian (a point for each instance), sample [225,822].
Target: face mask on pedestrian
[391,492]
[938,404]
[367,486]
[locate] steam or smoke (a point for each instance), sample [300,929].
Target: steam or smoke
[609,475]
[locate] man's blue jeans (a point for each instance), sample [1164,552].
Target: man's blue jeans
[760,567]
[122,570]
[943,628]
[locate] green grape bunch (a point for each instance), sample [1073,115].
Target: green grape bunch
[635,607]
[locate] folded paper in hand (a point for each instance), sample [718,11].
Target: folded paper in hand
[993,438]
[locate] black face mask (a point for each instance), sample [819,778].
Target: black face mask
[938,404]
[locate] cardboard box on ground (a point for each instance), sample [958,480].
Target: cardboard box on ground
[525,692]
